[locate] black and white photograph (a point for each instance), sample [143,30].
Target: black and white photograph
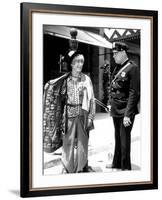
[91,83]
[89,100]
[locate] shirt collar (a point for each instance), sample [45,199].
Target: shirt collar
[79,79]
[125,62]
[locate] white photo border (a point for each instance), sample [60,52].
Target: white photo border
[89,179]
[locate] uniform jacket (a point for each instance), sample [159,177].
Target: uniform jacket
[125,90]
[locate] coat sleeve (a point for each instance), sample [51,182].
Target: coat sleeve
[92,107]
[134,91]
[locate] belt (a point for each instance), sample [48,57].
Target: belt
[74,105]
[119,95]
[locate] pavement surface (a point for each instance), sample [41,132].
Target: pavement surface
[100,149]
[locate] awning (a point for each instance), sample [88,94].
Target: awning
[82,36]
[126,35]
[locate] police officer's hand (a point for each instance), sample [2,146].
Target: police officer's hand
[126,121]
[108,109]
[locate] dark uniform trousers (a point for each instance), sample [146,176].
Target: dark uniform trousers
[125,90]
[121,158]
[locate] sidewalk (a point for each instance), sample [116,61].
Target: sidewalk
[101,147]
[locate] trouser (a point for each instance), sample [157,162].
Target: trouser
[122,151]
[75,146]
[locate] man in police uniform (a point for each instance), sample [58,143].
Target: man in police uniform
[125,91]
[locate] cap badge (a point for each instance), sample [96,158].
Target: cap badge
[123,74]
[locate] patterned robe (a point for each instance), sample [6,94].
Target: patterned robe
[56,109]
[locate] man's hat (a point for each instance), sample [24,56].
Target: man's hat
[119,46]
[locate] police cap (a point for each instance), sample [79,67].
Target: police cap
[119,46]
